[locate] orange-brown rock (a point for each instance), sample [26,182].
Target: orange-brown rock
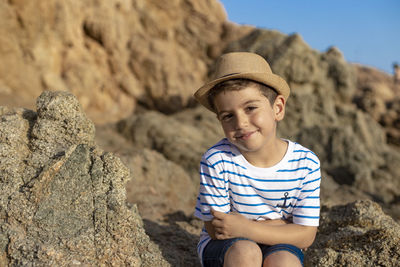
[110,54]
[379,96]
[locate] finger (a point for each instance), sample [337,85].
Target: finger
[216,222]
[213,211]
[219,230]
[217,214]
[220,236]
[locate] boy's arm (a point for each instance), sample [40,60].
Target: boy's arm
[225,226]
[211,231]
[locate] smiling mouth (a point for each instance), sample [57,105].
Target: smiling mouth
[244,136]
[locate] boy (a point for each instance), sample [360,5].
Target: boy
[259,194]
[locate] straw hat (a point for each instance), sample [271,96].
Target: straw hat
[242,65]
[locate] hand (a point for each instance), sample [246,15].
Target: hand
[229,225]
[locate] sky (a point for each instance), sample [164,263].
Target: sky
[365,31]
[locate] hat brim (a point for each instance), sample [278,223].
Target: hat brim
[270,80]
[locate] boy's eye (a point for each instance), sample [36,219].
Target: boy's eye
[250,108]
[226,117]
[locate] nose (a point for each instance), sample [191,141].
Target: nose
[242,121]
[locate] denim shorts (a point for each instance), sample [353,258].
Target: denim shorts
[214,252]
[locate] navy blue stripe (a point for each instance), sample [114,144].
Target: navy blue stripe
[211,195]
[213,186]
[230,162]
[214,205]
[260,196]
[265,190]
[294,170]
[252,205]
[315,170]
[212,177]
[306,207]
[305,151]
[266,204]
[307,217]
[261,180]
[305,158]
[257,213]
[274,206]
[218,145]
[207,165]
[308,182]
[203,213]
[310,190]
[308,197]
[218,152]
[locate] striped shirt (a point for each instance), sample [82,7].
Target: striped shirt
[289,190]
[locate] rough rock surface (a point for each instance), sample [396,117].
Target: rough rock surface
[181,138]
[159,186]
[356,234]
[379,96]
[110,54]
[62,199]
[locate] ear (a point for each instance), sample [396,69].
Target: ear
[279,108]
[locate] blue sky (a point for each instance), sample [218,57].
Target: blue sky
[366,31]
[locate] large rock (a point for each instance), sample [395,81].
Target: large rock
[378,95]
[160,186]
[62,199]
[110,54]
[181,138]
[356,234]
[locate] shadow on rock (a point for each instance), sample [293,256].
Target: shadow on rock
[177,236]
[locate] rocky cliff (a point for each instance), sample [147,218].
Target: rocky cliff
[110,54]
[131,67]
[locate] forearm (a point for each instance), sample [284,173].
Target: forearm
[211,230]
[271,234]
[224,226]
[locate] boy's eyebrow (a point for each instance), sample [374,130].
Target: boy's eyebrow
[244,104]
[251,101]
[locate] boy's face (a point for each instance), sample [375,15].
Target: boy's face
[248,119]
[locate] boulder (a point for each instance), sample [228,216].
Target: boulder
[379,96]
[181,138]
[159,186]
[355,234]
[63,199]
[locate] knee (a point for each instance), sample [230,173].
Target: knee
[281,259]
[243,253]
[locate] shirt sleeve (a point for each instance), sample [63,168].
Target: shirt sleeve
[307,209]
[213,192]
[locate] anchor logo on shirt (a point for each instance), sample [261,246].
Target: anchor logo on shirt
[284,202]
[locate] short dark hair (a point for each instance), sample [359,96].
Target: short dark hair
[239,84]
